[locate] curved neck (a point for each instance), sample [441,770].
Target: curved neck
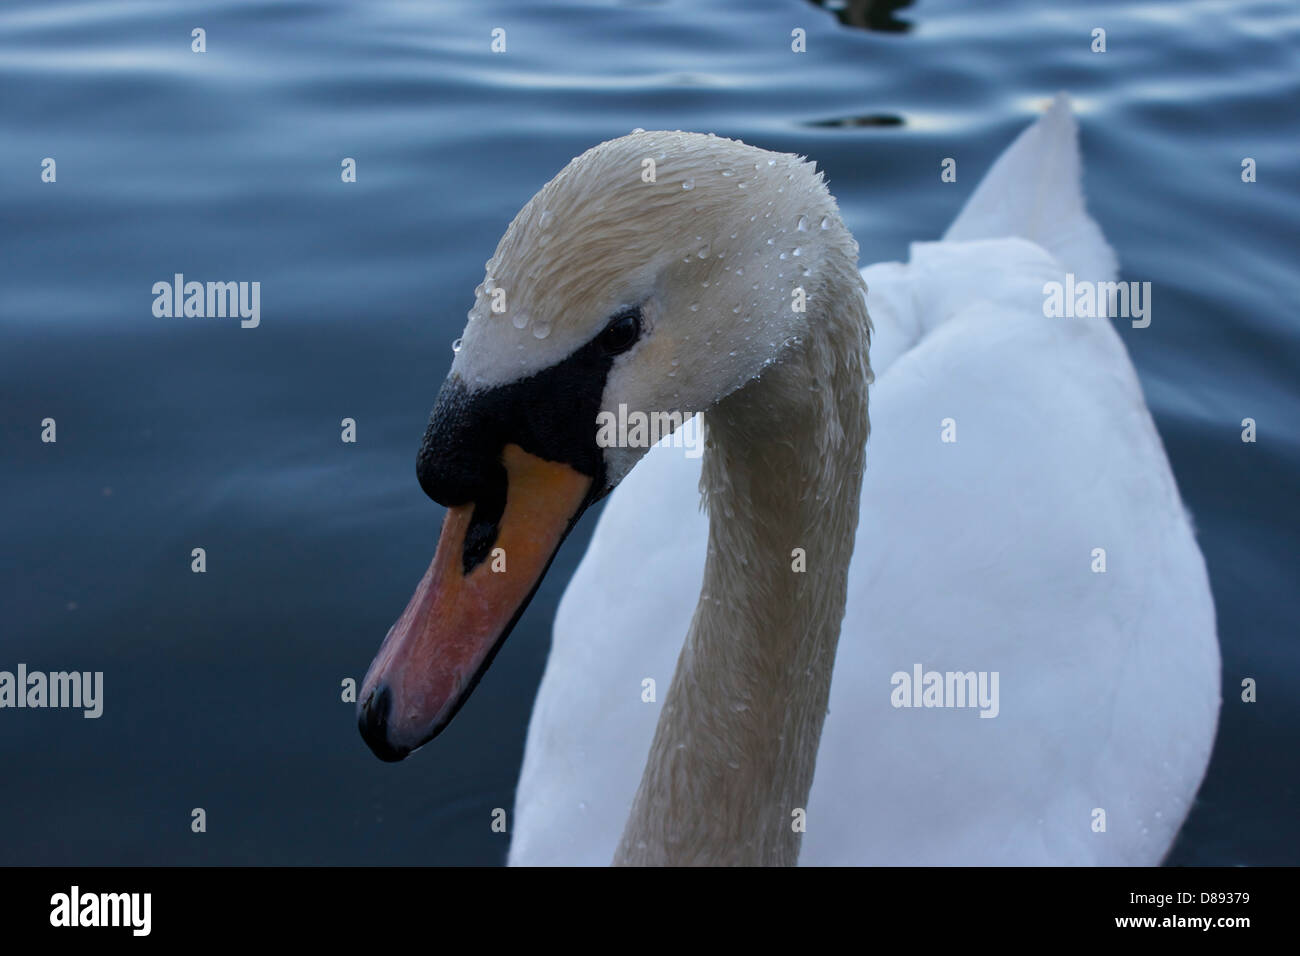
[736,745]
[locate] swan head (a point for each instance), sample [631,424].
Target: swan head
[658,272]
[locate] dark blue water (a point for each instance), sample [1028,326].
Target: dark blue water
[223,689]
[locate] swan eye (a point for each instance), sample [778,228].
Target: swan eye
[622,332]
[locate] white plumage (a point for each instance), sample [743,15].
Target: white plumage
[970,555]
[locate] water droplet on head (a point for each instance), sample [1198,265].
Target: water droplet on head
[519,320]
[695,307]
[544,220]
[797,251]
[826,222]
[802,224]
[703,252]
[728,172]
[541,330]
[688,184]
[455,346]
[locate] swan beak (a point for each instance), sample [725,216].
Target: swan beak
[458,619]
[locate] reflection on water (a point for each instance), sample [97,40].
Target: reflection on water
[222,690]
[874,119]
[868,14]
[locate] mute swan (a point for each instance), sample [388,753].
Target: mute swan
[677,291]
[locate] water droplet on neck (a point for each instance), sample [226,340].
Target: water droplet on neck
[519,320]
[695,307]
[802,224]
[688,184]
[728,172]
[545,219]
[703,252]
[797,251]
[455,346]
[826,222]
[541,330]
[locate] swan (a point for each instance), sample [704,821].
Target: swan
[1013,517]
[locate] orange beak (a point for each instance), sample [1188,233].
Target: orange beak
[457,620]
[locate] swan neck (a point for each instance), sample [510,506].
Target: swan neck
[732,760]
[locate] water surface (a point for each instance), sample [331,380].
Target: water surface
[223,688]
